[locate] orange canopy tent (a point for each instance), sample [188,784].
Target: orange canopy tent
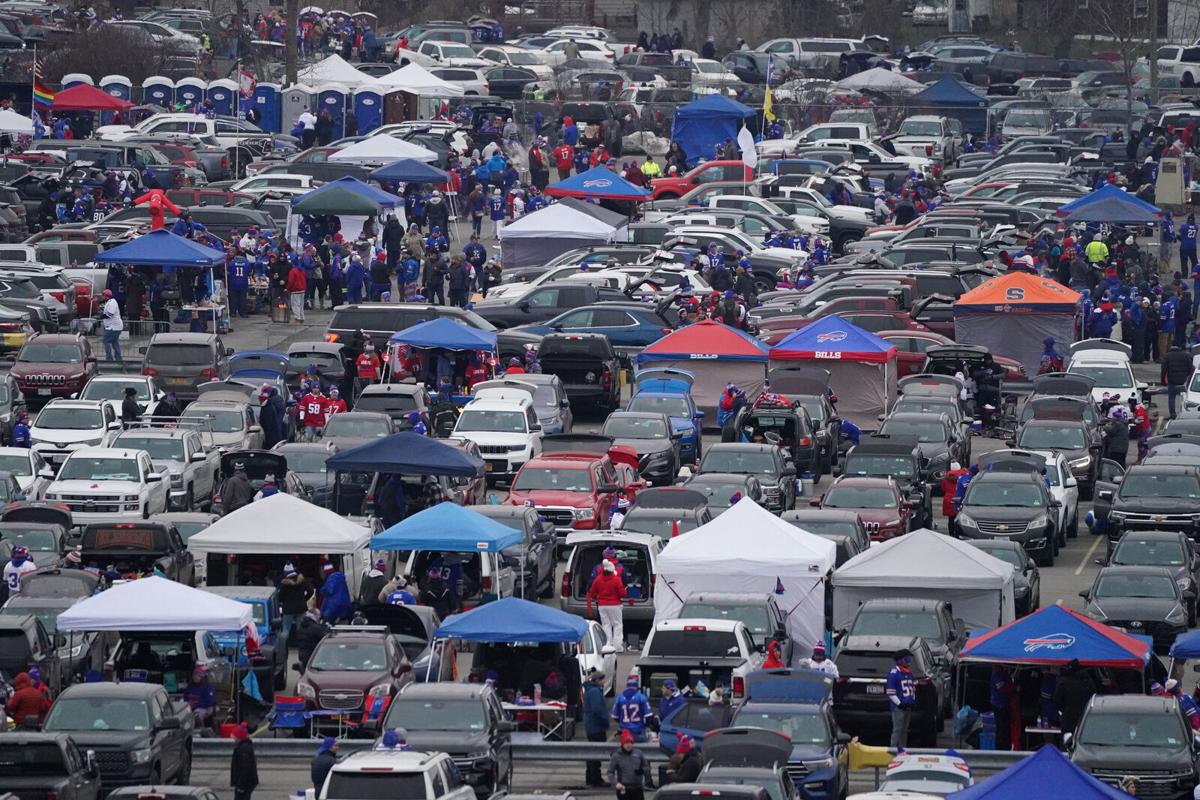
[1013,313]
[88,98]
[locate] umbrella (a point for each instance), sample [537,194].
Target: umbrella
[12,122]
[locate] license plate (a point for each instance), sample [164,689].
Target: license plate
[43,392]
[875,688]
[177,381]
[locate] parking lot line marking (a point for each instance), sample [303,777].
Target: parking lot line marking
[1087,557]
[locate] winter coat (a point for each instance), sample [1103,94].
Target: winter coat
[243,768]
[336,594]
[293,595]
[438,214]
[235,493]
[628,769]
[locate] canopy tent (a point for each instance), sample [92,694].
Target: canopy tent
[161,248]
[750,550]
[445,333]
[282,524]
[862,367]
[951,98]
[703,124]
[409,170]
[416,79]
[717,355]
[598,183]
[594,210]
[14,123]
[549,232]
[929,565]
[1012,313]
[407,453]
[1057,635]
[878,79]
[1110,205]
[346,195]
[85,97]
[1046,771]
[333,69]
[451,528]
[382,149]
[156,604]
[1186,645]
[512,620]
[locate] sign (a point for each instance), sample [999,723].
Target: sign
[703,356]
[597,183]
[831,336]
[1053,641]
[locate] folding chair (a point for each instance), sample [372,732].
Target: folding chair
[287,714]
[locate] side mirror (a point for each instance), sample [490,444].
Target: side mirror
[255,429]
[842,738]
[1105,494]
[535,428]
[564,403]
[114,426]
[609,650]
[1010,442]
[229,351]
[524,306]
[198,456]
[1085,594]
[297,668]
[74,395]
[92,767]
[699,413]
[46,472]
[506,726]
[816,501]
[153,477]
[608,488]
[142,350]
[1067,740]
[168,724]
[1070,482]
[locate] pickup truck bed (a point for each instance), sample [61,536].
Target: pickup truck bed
[587,366]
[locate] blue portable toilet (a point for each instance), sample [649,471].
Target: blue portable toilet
[266,100]
[332,98]
[117,86]
[159,91]
[190,92]
[368,110]
[76,78]
[295,100]
[223,95]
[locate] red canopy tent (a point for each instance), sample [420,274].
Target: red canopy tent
[88,98]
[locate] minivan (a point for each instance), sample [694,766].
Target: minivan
[638,554]
[180,362]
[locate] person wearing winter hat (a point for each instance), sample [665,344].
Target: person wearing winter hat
[323,762]
[595,722]
[243,766]
[398,593]
[370,587]
[73,559]
[628,770]
[607,591]
[684,766]
[671,699]
[631,710]
[819,661]
[336,595]
[293,598]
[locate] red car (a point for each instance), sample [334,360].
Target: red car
[54,365]
[912,344]
[879,503]
[679,185]
[575,491]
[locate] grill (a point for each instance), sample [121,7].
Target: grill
[341,699]
[1150,784]
[1147,519]
[797,771]
[558,516]
[493,449]
[1002,528]
[112,761]
[872,528]
[44,380]
[94,504]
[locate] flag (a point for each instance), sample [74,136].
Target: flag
[745,142]
[674,528]
[768,106]
[779,586]
[246,84]
[42,97]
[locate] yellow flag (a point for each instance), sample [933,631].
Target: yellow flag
[768,111]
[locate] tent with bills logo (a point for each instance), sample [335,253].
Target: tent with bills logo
[1057,635]
[1012,313]
[862,367]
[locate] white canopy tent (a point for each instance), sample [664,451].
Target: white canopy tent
[878,79]
[548,232]
[416,79]
[750,550]
[14,123]
[929,565]
[157,604]
[382,149]
[281,524]
[334,69]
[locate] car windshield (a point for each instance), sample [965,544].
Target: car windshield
[1036,119]
[478,421]
[754,615]
[1122,585]
[877,622]
[1151,553]
[859,497]
[357,427]
[1134,730]
[51,353]
[693,641]
[42,541]
[324,362]
[349,656]
[916,405]
[219,421]
[720,495]
[1051,437]
[620,426]
[97,714]
[918,127]
[826,527]
[878,466]
[114,390]
[69,419]
[661,524]
[438,715]
[160,448]
[306,461]
[86,468]
[1106,377]
[18,465]
[1144,484]
[671,406]
[532,479]
[1005,554]
[1008,495]
[802,729]
[923,431]
[739,462]
[189,529]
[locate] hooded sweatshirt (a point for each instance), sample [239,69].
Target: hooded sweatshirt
[606,590]
[336,594]
[293,594]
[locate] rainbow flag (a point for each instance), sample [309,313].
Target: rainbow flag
[41,95]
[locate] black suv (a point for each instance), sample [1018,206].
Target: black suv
[940,441]
[24,644]
[931,620]
[860,700]
[1134,735]
[1171,550]
[1011,505]
[898,458]
[665,509]
[1153,496]
[1144,600]
[764,461]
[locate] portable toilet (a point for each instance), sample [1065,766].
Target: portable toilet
[223,94]
[190,92]
[76,78]
[295,101]
[117,86]
[159,91]
[368,110]
[266,101]
[332,98]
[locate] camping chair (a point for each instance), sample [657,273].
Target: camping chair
[373,714]
[287,714]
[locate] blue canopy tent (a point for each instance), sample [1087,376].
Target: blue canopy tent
[703,124]
[448,527]
[1045,771]
[407,453]
[952,99]
[1112,205]
[1057,635]
[408,170]
[1187,645]
[161,248]
[446,334]
[598,183]
[513,620]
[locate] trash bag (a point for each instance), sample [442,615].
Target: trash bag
[965,721]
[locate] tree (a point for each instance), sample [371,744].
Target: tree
[1125,32]
[107,50]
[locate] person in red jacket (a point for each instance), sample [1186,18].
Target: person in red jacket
[296,286]
[313,407]
[27,704]
[607,591]
[514,367]
[366,367]
[335,405]
[564,159]
[949,484]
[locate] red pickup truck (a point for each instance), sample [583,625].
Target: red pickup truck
[679,185]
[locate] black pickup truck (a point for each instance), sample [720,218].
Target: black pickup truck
[586,364]
[134,548]
[543,302]
[38,766]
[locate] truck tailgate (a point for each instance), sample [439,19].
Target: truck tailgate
[575,370]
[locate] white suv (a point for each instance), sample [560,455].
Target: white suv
[411,774]
[505,427]
[108,484]
[63,426]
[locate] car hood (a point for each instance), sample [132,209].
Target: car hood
[452,742]
[1000,514]
[1131,758]
[931,450]
[549,497]
[884,516]
[59,438]
[1139,608]
[332,680]
[167,465]
[23,369]
[645,447]
[131,740]
[1153,505]
[99,487]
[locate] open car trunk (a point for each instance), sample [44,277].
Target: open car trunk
[635,560]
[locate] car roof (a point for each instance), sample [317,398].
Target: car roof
[1164,469]
[996,476]
[854,481]
[487,403]
[57,338]
[741,447]
[902,603]
[107,452]
[880,643]
[460,691]
[391,760]
[107,689]
[1134,569]
[1132,702]
[157,433]
[819,514]
[185,337]
[243,592]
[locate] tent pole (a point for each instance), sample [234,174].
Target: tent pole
[429,665]
[237,685]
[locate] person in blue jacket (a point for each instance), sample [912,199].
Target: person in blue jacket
[20,432]
[964,480]
[1187,244]
[631,710]
[672,699]
[354,280]
[436,240]
[239,285]
[496,212]
[902,695]
[335,605]
[595,721]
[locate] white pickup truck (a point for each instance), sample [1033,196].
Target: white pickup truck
[180,456]
[106,484]
[719,652]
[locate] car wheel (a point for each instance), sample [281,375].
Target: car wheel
[185,769]
[1061,540]
[146,511]
[1191,615]
[763,284]
[1046,557]
[1073,528]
